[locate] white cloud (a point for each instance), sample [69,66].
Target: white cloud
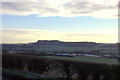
[66,8]
[29,35]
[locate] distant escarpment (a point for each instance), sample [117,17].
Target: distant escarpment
[64,44]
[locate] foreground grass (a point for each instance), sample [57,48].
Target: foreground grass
[85,59]
[22,74]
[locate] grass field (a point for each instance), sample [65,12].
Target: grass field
[85,59]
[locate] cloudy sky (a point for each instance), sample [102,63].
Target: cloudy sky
[67,20]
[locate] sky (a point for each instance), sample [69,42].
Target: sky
[68,20]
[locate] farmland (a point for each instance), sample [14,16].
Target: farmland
[84,59]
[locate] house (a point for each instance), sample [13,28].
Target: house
[90,55]
[106,55]
[49,54]
[62,54]
[65,54]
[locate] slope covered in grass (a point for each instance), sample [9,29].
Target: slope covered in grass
[85,59]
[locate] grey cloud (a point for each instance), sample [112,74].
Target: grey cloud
[85,11]
[87,35]
[82,12]
[118,15]
[87,6]
[40,7]
[100,7]
[119,4]
[17,6]
[77,5]
[68,9]
[51,10]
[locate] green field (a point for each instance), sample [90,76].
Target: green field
[85,59]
